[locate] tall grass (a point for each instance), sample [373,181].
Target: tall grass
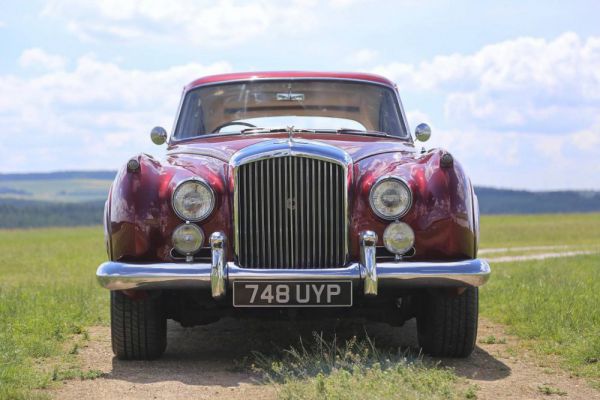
[354,369]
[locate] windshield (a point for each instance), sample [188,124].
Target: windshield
[304,104]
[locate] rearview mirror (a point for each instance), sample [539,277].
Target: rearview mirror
[158,134]
[422,132]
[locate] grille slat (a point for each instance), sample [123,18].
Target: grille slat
[291,213]
[336,224]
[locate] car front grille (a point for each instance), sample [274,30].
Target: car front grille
[290,213]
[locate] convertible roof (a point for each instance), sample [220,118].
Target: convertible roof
[240,76]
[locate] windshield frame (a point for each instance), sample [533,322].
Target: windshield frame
[400,108]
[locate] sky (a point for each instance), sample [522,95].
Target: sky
[512,89]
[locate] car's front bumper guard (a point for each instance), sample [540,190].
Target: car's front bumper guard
[219,274]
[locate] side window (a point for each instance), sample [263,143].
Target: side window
[388,115]
[191,119]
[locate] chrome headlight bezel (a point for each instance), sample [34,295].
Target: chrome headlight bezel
[407,207]
[198,181]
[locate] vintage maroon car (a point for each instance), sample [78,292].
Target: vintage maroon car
[290,195]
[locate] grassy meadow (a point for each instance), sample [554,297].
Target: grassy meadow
[555,305]
[48,296]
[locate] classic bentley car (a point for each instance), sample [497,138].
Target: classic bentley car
[292,195]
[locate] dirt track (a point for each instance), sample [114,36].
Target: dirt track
[199,363]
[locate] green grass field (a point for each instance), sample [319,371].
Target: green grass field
[540,230]
[555,305]
[48,295]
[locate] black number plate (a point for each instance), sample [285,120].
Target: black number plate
[292,294]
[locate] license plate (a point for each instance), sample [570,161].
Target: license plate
[292,294]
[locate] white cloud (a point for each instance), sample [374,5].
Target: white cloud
[206,23]
[415,117]
[38,58]
[525,84]
[363,56]
[93,115]
[2,24]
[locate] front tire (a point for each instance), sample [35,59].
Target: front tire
[138,326]
[447,325]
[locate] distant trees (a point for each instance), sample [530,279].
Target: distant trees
[16,213]
[34,176]
[505,201]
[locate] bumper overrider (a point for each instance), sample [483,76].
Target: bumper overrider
[219,274]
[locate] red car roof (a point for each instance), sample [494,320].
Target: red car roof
[288,74]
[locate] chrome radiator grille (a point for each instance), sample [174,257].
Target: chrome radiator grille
[290,213]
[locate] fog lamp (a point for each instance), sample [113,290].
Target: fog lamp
[398,238]
[187,239]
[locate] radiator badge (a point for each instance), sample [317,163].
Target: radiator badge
[290,204]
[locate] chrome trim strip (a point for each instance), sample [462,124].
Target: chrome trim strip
[235,273]
[368,241]
[125,276]
[474,272]
[218,266]
[275,148]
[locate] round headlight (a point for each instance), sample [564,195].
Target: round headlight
[187,238]
[193,200]
[390,198]
[398,238]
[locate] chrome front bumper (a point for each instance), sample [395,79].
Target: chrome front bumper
[219,275]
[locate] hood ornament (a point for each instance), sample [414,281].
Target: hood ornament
[290,132]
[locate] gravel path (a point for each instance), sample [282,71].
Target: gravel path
[542,256]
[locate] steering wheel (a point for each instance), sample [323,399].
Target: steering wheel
[218,128]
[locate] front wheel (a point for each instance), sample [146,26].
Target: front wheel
[138,326]
[447,325]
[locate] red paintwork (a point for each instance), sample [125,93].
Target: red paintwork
[237,76]
[140,219]
[442,212]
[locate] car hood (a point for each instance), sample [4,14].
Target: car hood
[358,147]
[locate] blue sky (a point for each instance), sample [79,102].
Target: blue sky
[512,89]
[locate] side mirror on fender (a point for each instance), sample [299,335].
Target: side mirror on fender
[422,132]
[158,134]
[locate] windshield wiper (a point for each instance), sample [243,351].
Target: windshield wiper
[362,132]
[276,130]
[316,130]
[262,130]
